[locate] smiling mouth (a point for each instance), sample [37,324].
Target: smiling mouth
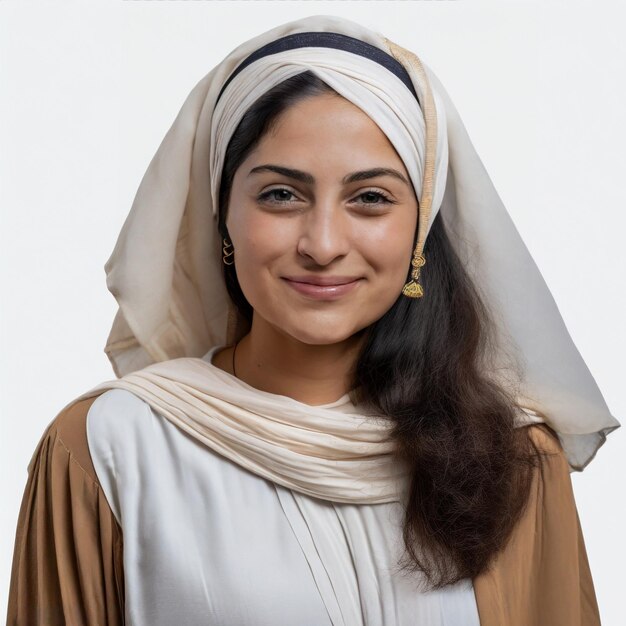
[323,292]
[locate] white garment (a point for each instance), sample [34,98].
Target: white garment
[209,542]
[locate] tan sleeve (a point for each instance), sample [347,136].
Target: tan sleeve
[67,559]
[542,577]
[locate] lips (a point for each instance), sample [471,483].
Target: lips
[326,291]
[323,280]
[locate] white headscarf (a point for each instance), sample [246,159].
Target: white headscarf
[166,268]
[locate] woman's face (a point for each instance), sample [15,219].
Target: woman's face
[305,206]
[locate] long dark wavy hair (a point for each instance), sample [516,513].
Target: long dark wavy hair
[424,366]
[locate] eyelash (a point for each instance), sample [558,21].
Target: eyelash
[265,196]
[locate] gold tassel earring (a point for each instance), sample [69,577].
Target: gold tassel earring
[413,289]
[226,255]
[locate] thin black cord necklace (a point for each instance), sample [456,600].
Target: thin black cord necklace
[234,348]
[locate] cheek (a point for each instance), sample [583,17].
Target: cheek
[387,246]
[251,233]
[258,244]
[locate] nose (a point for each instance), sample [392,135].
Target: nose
[324,236]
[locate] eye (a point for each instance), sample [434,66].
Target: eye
[376,197]
[276,196]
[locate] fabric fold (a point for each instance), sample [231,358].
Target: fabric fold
[343,456]
[67,560]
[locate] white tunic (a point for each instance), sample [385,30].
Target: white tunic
[209,542]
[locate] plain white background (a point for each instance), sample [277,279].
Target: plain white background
[88,90]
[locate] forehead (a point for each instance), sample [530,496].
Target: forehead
[328,128]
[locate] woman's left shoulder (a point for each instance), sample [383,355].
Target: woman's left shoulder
[546,439]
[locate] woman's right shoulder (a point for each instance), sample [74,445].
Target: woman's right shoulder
[70,427]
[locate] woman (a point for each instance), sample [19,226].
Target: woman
[345,394]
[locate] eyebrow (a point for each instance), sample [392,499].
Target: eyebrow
[309,179]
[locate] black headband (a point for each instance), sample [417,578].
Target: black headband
[326,40]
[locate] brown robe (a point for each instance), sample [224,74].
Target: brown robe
[68,567]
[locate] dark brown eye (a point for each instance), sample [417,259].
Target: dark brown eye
[375,197]
[277,195]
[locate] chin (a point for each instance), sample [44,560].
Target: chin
[312,338]
[318,333]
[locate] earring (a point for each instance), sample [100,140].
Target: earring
[227,255]
[413,289]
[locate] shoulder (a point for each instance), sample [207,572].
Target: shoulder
[545,438]
[116,418]
[102,435]
[550,452]
[117,407]
[551,476]
[67,434]
[69,430]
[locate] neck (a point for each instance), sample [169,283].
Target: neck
[273,361]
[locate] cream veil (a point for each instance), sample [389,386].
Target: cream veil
[166,270]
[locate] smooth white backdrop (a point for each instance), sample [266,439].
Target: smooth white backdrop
[88,90]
